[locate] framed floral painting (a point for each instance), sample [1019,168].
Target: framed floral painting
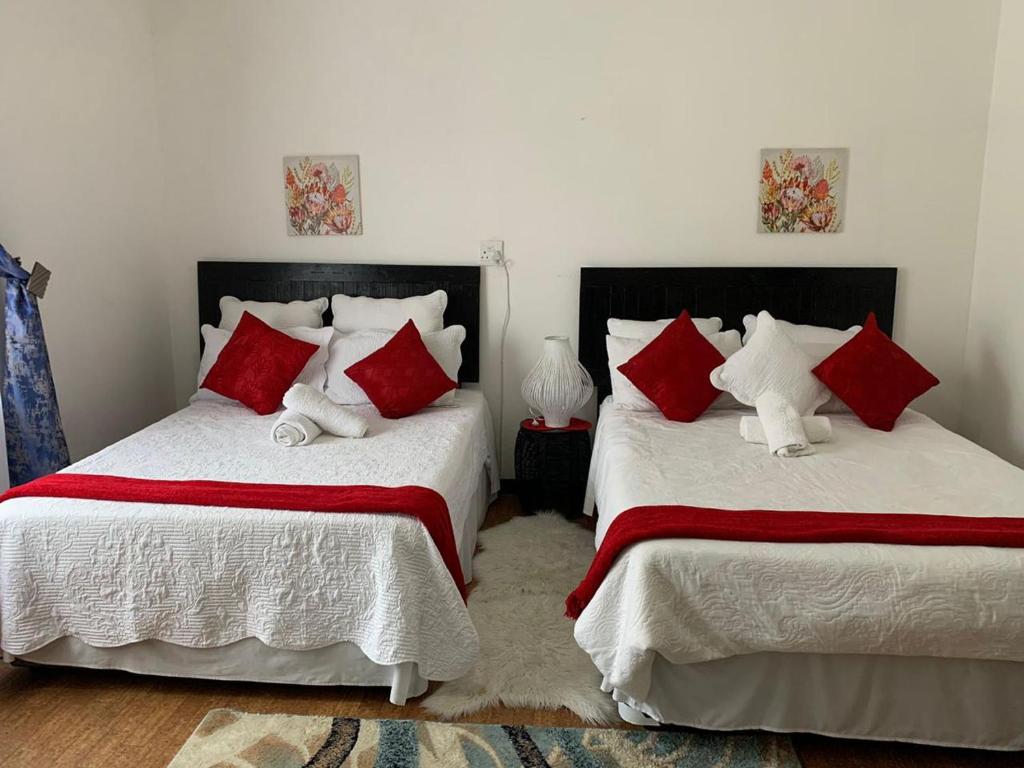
[322,195]
[803,190]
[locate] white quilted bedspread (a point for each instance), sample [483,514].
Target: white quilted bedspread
[694,600]
[110,573]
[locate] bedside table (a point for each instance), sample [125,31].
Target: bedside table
[552,466]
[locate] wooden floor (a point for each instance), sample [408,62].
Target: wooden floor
[62,718]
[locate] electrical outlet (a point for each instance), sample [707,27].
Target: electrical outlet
[492,253]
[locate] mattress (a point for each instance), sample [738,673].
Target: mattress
[114,573]
[691,601]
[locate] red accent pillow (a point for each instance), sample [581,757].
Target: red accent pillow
[673,370]
[258,364]
[874,376]
[401,377]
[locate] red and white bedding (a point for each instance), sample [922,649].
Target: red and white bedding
[422,504]
[693,600]
[116,572]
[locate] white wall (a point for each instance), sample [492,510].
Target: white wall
[994,395]
[581,133]
[80,189]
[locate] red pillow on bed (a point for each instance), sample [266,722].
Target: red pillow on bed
[673,370]
[874,376]
[402,377]
[258,364]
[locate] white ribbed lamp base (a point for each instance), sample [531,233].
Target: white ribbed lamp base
[558,385]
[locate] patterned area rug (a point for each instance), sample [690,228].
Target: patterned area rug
[229,739]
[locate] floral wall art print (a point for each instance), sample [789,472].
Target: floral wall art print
[322,195]
[803,190]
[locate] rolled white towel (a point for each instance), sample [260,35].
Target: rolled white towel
[327,415]
[292,429]
[817,428]
[783,426]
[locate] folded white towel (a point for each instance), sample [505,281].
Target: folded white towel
[292,429]
[817,428]
[327,415]
[783,427]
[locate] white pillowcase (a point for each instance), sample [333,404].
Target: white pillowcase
[817,341]
[813,339]
[313,373]
[361,313]
[648,329]
[276,314]
[771,362]
[626,395]
[349,348]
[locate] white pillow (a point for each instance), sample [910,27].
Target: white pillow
[818,342]
[276,314]
[626,395]
[349,348]
[313,373]
[813,339]
[771,362]
[648,329]
[361,313]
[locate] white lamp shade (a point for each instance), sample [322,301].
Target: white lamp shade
[558,385]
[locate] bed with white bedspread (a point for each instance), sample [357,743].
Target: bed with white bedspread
[733,634]
[244,593]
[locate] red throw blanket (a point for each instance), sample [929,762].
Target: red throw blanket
[426,505]
[682,522]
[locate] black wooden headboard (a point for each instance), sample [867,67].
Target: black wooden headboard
[837,297]
[288,281]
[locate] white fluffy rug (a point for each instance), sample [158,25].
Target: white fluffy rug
[528,657]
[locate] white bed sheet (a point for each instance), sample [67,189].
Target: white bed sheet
[694,600]
[111,573]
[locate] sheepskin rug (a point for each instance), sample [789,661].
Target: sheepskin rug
[528,657]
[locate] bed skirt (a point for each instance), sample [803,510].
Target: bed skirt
[250,660]
[924,700]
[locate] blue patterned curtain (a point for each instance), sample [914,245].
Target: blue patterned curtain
[35,437]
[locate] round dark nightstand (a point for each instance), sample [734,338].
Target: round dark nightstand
[552,466]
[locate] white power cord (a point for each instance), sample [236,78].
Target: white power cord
[501,367]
